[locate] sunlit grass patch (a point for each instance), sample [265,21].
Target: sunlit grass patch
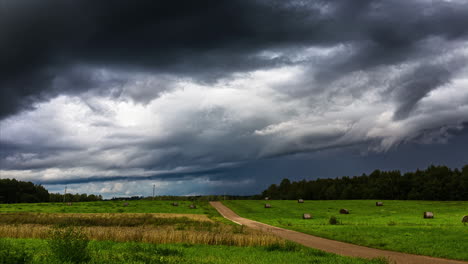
[108,252]
[398,225]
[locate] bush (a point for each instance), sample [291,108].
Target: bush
[287,246]
[333,221]
[10,253]
[69,244]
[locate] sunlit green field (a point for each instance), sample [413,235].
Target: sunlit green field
[144,238]
[398,225]
[130,252]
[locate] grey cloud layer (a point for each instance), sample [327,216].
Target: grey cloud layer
[43,40]
[111,90]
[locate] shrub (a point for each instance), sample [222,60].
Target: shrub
[69,244]
[10,253]
[291,246]
[333,220]
[287,246]
[167,252]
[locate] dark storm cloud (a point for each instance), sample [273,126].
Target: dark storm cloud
[415,85]
[171,176]
[43,43]
[213,92]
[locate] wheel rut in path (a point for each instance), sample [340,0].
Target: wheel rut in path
[332,246]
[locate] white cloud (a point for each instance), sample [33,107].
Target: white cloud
[195,186]
[195,127]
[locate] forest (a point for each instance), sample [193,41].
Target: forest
[434,183]
[14,191]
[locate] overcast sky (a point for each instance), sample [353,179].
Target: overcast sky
[212,97]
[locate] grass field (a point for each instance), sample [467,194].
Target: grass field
[125,207]
[145,232]
[136,206]
[135,253]
[398,225]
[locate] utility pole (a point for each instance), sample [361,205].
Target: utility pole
[64,194]
[153,191]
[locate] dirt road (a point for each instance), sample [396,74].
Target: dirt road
[331,246]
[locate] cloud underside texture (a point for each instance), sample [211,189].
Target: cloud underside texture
[112,90]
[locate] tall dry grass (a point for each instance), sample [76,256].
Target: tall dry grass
[220,235]
[149,228]
[102,219]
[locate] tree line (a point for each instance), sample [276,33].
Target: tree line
[14,191]
[203,197]
[83,197]
[434,183]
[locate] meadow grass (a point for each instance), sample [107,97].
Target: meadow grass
[103,219]
[135,206]
[135,253]
[121,207]
[398,225]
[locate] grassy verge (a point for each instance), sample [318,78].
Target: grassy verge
[398,225]
[37,251]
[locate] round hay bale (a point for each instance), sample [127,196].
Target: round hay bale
[465,219]
[175,204]
[192,206]
[300,201]
[267,205]
[306,216]
[267,198]
[344,211]
[378,203]
[428,215]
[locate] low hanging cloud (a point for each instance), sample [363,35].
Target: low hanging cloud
[44,41]
[97,91]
